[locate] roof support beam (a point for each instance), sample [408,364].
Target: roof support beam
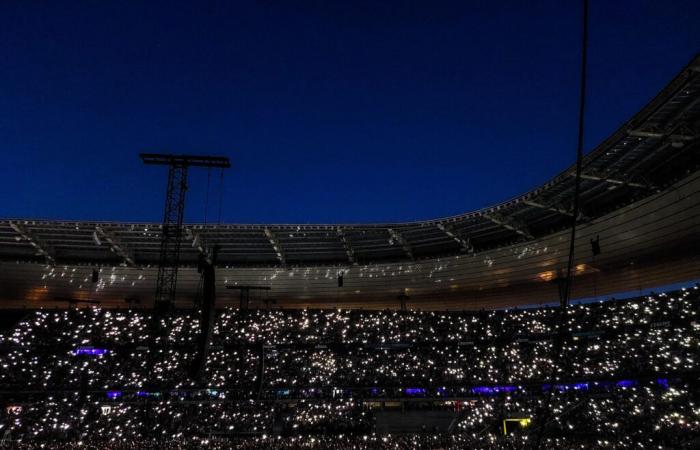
[198,243]
[658,135]
[549,208]
[114,245]
[451,232]
[397,238]
[275,246]
[588,176]
[41,248]
[346,245]
[510,224]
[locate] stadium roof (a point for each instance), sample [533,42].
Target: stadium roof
[653,151]
[647,154]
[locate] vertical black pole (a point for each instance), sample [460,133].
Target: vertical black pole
[565,290]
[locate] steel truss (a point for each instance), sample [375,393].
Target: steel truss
[173,214]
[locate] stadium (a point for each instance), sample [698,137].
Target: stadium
[564,317]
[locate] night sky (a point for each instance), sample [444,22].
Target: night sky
[354,111]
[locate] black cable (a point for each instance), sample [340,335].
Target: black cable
[200,285]
[595,280]
[565,293]
[579,154]
[206,197]
[221,192]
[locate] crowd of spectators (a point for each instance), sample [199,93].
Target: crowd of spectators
[287,379]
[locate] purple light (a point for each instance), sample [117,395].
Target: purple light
[566,386]
[663,382]
[626,383]
[90,351]
[114,394]
[491,390]
[147,394]
[414,391]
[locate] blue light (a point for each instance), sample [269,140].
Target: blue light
[114,394]
[626,383]
[147,394]
[663,382]
[90,351]
[414,391]
[567,386]
[491,390]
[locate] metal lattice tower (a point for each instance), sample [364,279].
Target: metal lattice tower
[171,233]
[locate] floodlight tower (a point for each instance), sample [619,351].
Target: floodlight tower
[171,234]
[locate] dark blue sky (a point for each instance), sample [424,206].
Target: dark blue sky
[330,111]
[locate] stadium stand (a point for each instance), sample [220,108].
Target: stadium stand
[332,378]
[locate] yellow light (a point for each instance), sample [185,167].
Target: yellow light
[546,276]
[522,421]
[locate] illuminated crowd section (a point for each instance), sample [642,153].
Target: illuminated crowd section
[627,377]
